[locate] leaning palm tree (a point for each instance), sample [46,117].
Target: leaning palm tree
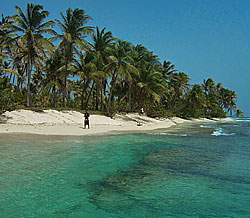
[73,37]
[32,27]
[227,99]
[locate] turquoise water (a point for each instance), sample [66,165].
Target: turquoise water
[202,170]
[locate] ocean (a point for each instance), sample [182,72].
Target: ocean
[199,170]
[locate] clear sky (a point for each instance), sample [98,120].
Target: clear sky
[203,38]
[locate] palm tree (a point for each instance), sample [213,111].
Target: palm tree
[227,99]
[119,65]
[73,36]
[7,37]
[180,84]
[146,62]
[209,86]
[196,97]
[151,85]
[32,27]
[6,40]
[168,69]
[239,113]
[102,42]
[53,82]
[210,90]
[138,54]
[89,74]
[232,96]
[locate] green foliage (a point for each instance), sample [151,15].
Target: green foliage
[217,112]
[160,111]
[105,74]
[190,112]
[6,95]
[20,97]
[239,113]
[202,101]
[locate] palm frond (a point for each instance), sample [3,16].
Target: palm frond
[47,31]
[46,25]
[22,16]
[61,25]
[11,71]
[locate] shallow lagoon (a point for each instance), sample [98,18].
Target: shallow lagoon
[199,170]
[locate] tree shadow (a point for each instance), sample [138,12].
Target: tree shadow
[4,119]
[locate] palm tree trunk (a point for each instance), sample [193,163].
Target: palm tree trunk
[97,96]
[58,98]
[101,100]
[17,89]
[14,77]
[120,104]
[90,92]
[65,83]
[10,77]
[82,98]
[54,96]
[85,86]
[109,102]
[28,81]
[103,93]
[111,92]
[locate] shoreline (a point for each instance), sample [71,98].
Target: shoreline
[70,123]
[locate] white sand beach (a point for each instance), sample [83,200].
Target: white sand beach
[52,122]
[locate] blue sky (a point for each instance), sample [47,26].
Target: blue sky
[203,38]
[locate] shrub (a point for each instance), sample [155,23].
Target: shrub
[160,111]
[6,95]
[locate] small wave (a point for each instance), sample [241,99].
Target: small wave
[246,119]
[220,132]
[167,134]
[203,126]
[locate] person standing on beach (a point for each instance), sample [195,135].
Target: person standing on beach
[86,119]
[142,111]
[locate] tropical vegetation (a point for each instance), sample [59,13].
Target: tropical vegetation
[85,67]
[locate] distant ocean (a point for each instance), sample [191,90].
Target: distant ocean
[196,170]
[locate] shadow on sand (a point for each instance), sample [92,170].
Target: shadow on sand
[3,119]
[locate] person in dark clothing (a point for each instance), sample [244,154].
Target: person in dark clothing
[86,119]
[142,111]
